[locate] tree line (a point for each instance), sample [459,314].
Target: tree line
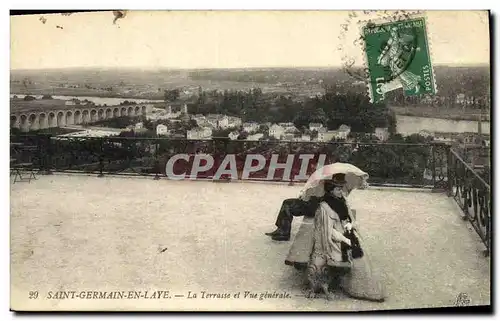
[473,82]
[332,109]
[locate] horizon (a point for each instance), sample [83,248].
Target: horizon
[472,65]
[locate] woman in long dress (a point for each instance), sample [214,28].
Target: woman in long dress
[331,258]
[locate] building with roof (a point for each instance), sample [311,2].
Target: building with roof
[162,130]
[382,133]
[233,135]
[276,131]
[250,126]
[199,133]
[315,126]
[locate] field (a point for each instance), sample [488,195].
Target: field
[54,131]
[453,113]
[139,84]
[20,105]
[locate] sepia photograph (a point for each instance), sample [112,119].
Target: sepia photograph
[276,161]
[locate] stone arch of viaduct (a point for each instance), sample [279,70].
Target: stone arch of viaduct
[34,120]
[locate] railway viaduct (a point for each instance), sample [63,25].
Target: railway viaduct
[27,120]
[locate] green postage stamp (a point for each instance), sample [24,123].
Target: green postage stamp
[398,56]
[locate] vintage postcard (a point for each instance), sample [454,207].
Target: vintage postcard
[250,161]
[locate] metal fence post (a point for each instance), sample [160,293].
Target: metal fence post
[291,172]
[157,163]
[488,231]
[101,157]
[46,154]
[449,171]
[434,169]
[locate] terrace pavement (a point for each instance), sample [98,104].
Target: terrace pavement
[76,232]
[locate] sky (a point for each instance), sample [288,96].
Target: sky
[225,39]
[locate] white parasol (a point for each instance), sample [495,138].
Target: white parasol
[355,179]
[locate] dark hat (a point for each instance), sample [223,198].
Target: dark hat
[338,179]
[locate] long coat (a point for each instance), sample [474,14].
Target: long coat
[360,282]
[302,246]
[328,235]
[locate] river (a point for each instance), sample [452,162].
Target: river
[406,125]
[96,100]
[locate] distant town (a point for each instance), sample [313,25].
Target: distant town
[180,123]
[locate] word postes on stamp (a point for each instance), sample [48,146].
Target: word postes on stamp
[398,56]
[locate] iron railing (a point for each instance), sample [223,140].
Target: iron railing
[473,195]
[415,165]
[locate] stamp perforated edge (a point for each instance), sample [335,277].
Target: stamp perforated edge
[381,20]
